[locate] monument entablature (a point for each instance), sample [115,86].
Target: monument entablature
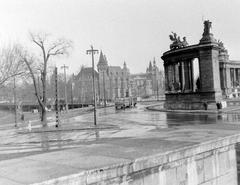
[192,72]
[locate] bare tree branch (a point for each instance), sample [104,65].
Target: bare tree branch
[10,63]
[59,47]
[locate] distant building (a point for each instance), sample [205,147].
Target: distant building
[113,82]
[82,86]
[229,75]
[148,84]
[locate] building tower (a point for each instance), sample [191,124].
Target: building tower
[102,67]
[126,89]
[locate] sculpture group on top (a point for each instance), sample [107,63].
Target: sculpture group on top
[207,26]
[176,42]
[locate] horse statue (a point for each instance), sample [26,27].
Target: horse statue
[176,42]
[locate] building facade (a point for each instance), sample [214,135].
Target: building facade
[148,84]
[230,75]
[81,86]
[113,82]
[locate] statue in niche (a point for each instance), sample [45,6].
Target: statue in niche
[222,48]
[176,42]
[207,26]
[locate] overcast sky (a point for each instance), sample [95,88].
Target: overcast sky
[134,31]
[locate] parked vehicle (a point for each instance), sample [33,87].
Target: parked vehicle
[125,102]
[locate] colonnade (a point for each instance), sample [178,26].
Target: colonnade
[182,76]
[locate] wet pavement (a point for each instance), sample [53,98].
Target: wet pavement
[120,136]
[112,124]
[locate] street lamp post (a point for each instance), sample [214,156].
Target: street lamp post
[104,91]
[15,101]
[99,93]
[56,96]
[93,51]
[65,67]
[111,87]
[72,95]
[122,88]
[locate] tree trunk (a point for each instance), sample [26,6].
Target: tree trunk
[44,117]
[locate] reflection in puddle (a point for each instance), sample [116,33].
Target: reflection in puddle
[230,118]
[200,119]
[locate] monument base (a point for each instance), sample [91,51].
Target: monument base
[193,105]
[194,101]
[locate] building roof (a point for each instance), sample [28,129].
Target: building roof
[150,66]
[86,72]
[102,60]
[114,70]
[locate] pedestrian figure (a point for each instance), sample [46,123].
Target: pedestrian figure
[219,105]
[29,125]
[22,117]
[205,104]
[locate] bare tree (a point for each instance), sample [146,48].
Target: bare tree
[40,66]
[10,63]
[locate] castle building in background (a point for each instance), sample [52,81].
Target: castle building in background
[80,87]
[115,82]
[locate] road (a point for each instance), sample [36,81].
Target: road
[130,122]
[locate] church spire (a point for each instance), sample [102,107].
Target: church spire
[154,62]
[150,66]
[124,65]
[102,59]
[102,63]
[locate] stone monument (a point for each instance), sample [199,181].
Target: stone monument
[183,90]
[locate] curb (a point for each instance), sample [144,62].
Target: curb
[153,108]
[66,129]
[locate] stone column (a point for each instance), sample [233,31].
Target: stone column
[210,69]
[166,78]
[116,90]
[182,77]
[187,75]
[234,77]
[228,77]
[192,77]
[210,78]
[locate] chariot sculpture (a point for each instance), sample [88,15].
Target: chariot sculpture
[176,42]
